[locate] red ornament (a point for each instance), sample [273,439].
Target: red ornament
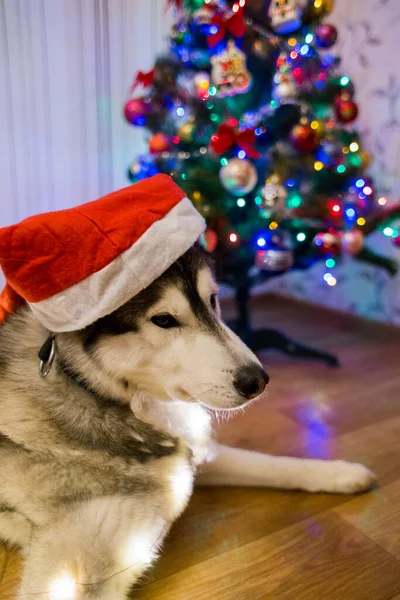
[210,240]
[326,35]
[346,110]
[159,143]
[328,242]
[135,111]
[304,138]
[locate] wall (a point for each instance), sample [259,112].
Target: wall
[368,43]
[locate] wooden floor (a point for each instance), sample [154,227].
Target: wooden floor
[241,544]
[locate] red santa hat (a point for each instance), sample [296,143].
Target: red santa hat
[75,266]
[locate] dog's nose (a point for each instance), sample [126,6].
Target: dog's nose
[250,381]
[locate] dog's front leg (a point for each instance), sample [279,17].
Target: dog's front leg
[97,551]
[234,467]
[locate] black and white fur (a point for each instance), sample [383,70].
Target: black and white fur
[98,459]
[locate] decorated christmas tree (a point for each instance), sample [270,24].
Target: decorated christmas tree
[251,115]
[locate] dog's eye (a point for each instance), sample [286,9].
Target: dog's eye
[213,301]
[165,321]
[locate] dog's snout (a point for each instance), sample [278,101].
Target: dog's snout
[250,381]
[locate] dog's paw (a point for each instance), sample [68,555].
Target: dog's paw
[350,478]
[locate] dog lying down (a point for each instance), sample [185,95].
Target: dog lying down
[99,458]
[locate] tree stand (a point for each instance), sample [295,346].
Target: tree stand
[265,339]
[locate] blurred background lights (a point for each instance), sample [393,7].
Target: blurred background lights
[241,202]
[301,237]
[261,242]
[382,201]
[233,237]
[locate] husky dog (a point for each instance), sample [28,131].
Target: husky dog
[98,458]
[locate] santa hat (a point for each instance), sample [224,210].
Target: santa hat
[75,266]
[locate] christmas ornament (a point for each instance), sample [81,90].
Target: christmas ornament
[320,8]
[238,176]
[285,15]
[229,72]
[202,83]
[142,168]
[203,15]
[346,110]
[135,111]
[285,89]
[325,35]
[209,240]
[186,131]
[352,242]
[304,138]
[159,143]
[227,136]
[274,259]
[234,25]
[328,242]
[274,194]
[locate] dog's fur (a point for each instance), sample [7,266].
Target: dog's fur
[98,459]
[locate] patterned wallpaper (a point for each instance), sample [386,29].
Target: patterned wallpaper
[368,44]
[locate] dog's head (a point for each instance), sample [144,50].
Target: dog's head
[169,341]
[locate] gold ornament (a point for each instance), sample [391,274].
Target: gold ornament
[186,131]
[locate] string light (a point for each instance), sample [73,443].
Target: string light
[330,263]
[203,150]
[317,3]
[361,221]
[345,149]
[344,80]
[301,237]
[224,162]
[292,42]
[273,225]
[212,91]
[351,213]
[196,195]
[354,147]
[233,237]
[261,242]
[293,55]
[360,183]
[367,190]
[330,279]
[382,201]
[180,111]
[241,202]
[336,208]
[304,49]
[388,231]
[340,168]
[314,124]
[318,165]
[258,200]
[290,182]
[241,154]
[242,3]
[309,38]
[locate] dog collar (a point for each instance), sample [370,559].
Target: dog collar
[46,356]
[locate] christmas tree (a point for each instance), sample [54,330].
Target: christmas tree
[250,114]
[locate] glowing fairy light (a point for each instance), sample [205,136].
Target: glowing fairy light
[382,201]
[180,111]
[241,202]
[340,168]
[63,588]
[235,8]
[261,242]
[301,237]
[258,200]
[354,147]
[304,49]
[293,55]
[224,162]
[360,183]
[233,237]
[203,150]
[330,263]
[318,165]
[367,190]
[330,279]
[336,208]
[351,213]
[241,154]
[314,124]
[388,231]
[361,221]
[309,38]
[292,42]
[273,225]
[242,3]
